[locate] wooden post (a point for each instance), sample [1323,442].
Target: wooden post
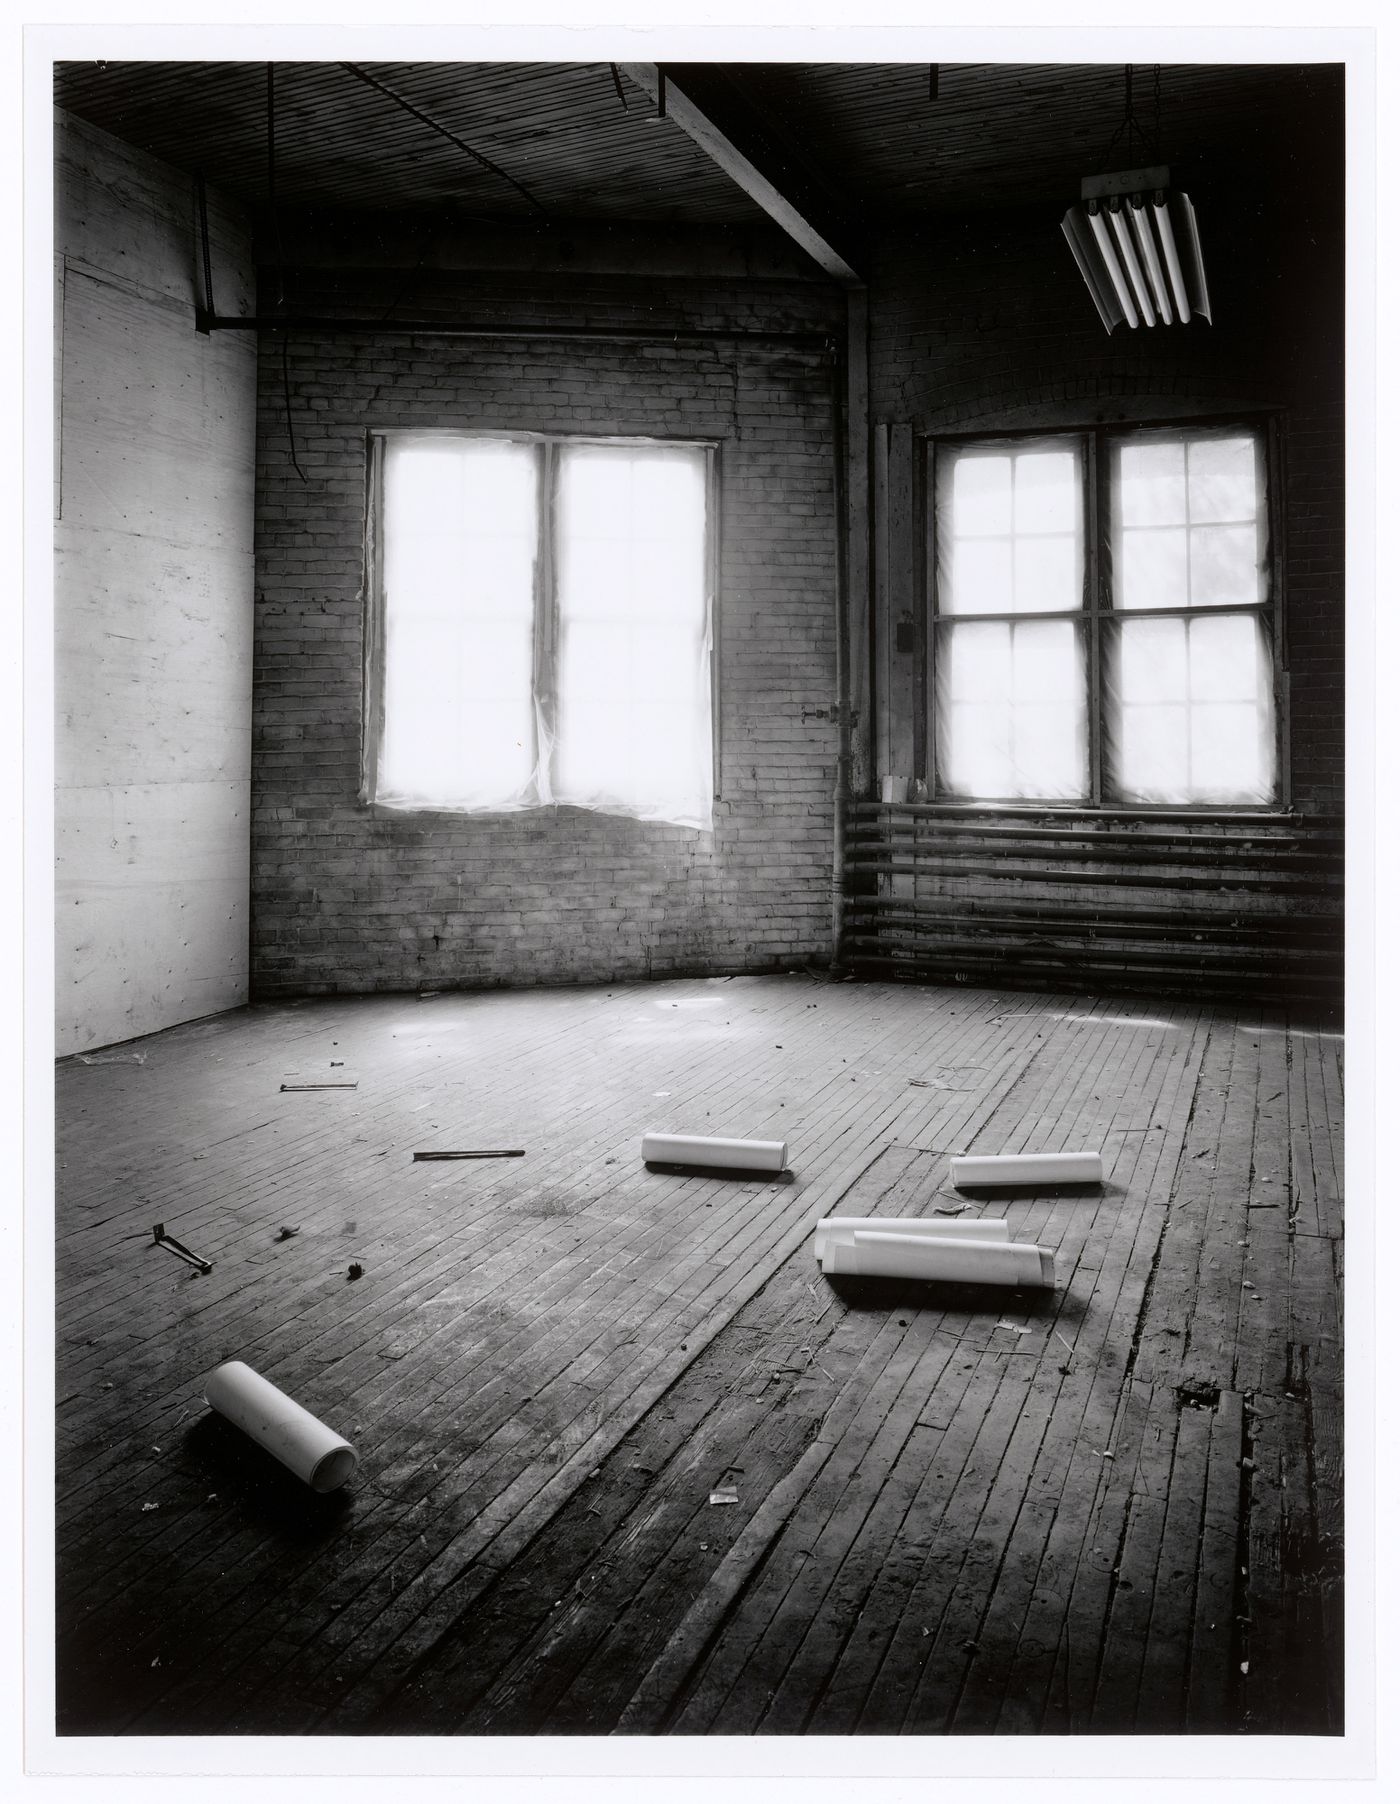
[857,530]
[900,634]
[880,602]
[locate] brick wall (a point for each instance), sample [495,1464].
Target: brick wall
[347,897]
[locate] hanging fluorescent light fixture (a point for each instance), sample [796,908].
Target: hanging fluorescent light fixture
[1138,249]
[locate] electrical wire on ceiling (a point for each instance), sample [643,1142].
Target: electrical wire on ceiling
[1150,141]
[436,223]
[451,136]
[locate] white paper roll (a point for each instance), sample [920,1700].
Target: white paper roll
[1028,1168]
[881,1255]
[705,1149]
[317,1454]
[842,1227]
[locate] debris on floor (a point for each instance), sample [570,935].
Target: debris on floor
[286,1233]
[513,1152]
[331,1084]
[725,1494]
[355,1271]
[171,1245]
[712,1150]
[305,1445]
[957,1252]
[1027,1168]
[111,1058]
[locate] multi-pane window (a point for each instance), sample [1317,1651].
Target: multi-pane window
[1011,545]
[1103,617]
[542,626]
[1191,675]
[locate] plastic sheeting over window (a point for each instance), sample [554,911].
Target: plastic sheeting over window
[1189,695]
[1011,709]
[1010,694]
[532,653]
[458,584]
[1192,715]
[1171,595]
[1010,534]
[634,645]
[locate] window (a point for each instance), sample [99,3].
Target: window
[541,625]
[1104,619]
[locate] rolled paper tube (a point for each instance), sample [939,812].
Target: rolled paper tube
[317,1454]
[842,1227]
[879,1255]
[703,1149]
[1029,1168]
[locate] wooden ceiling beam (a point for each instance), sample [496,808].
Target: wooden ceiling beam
[712,105]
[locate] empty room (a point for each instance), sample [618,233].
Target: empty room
[699,955]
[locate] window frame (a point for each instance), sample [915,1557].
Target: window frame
[546,616]
[1094,443]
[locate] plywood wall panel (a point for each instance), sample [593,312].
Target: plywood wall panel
[151,895]
[153,602]
[155,642]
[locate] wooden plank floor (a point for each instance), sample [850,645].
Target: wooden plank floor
[1111,1508]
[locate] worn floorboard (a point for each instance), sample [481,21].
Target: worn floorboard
[1111,1508]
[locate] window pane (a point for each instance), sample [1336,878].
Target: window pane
[1045,662]
[1227,753]
[1153,568]
[1047,750]
[977,755]
[458,536]
[1047,576]
[980,578]
[1225,661]
[978,661]
[981,494]
[1224,566]
[633,713]
[1153,754]
[1047,492]
[1152,484]
[1152,661]
[1223,482]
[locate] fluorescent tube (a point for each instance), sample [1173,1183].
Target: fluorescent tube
[1130,262]
[1142,232]
[1110,261]
[1173,262]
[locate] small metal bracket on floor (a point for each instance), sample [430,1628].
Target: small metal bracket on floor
[162,1239]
